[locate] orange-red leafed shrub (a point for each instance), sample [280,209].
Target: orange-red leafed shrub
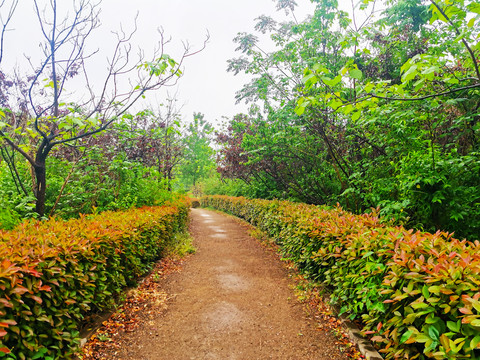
[55,272]
[417,293]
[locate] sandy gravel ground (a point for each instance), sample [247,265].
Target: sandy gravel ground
[231,301]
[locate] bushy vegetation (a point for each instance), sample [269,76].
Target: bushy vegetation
[378,112]
[138,162]
[53,273]
[417,293]
[381,114]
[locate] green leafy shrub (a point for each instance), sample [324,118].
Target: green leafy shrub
[432,290]
[8,218]
[55,272]
[417,293]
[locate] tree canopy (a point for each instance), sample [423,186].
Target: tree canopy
[364,109]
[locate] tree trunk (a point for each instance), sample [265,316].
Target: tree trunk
[40,187]
[169,179]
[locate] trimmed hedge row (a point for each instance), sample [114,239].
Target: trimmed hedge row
[417,293]
[55,272]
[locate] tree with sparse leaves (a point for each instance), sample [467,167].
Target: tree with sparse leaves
[44,116]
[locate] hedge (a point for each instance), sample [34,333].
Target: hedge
[54,273]
[418,294]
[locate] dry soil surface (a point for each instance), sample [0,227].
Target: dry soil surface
[232,300]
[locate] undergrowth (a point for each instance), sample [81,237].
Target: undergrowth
[180,245]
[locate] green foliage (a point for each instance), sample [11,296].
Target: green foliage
[417,293]
[15,205]
[198,161]
[8,218]
[161,66]
[102,179]
[385,114]
[216,185]
[181,244]
[55,272]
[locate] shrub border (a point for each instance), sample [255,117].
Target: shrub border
[417,293]
[54,273]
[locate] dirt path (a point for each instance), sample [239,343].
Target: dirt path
[231,301]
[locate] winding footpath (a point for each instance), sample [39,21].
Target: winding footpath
[231,301]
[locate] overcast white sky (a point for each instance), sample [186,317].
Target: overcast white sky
[206,87]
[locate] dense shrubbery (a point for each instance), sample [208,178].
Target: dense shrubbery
[55,272]
[379,114]
[417,293]
[139,162]
[96,183]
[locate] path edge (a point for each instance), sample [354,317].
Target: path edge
[364,345]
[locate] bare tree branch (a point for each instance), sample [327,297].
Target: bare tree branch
[4,23]
[449,92]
